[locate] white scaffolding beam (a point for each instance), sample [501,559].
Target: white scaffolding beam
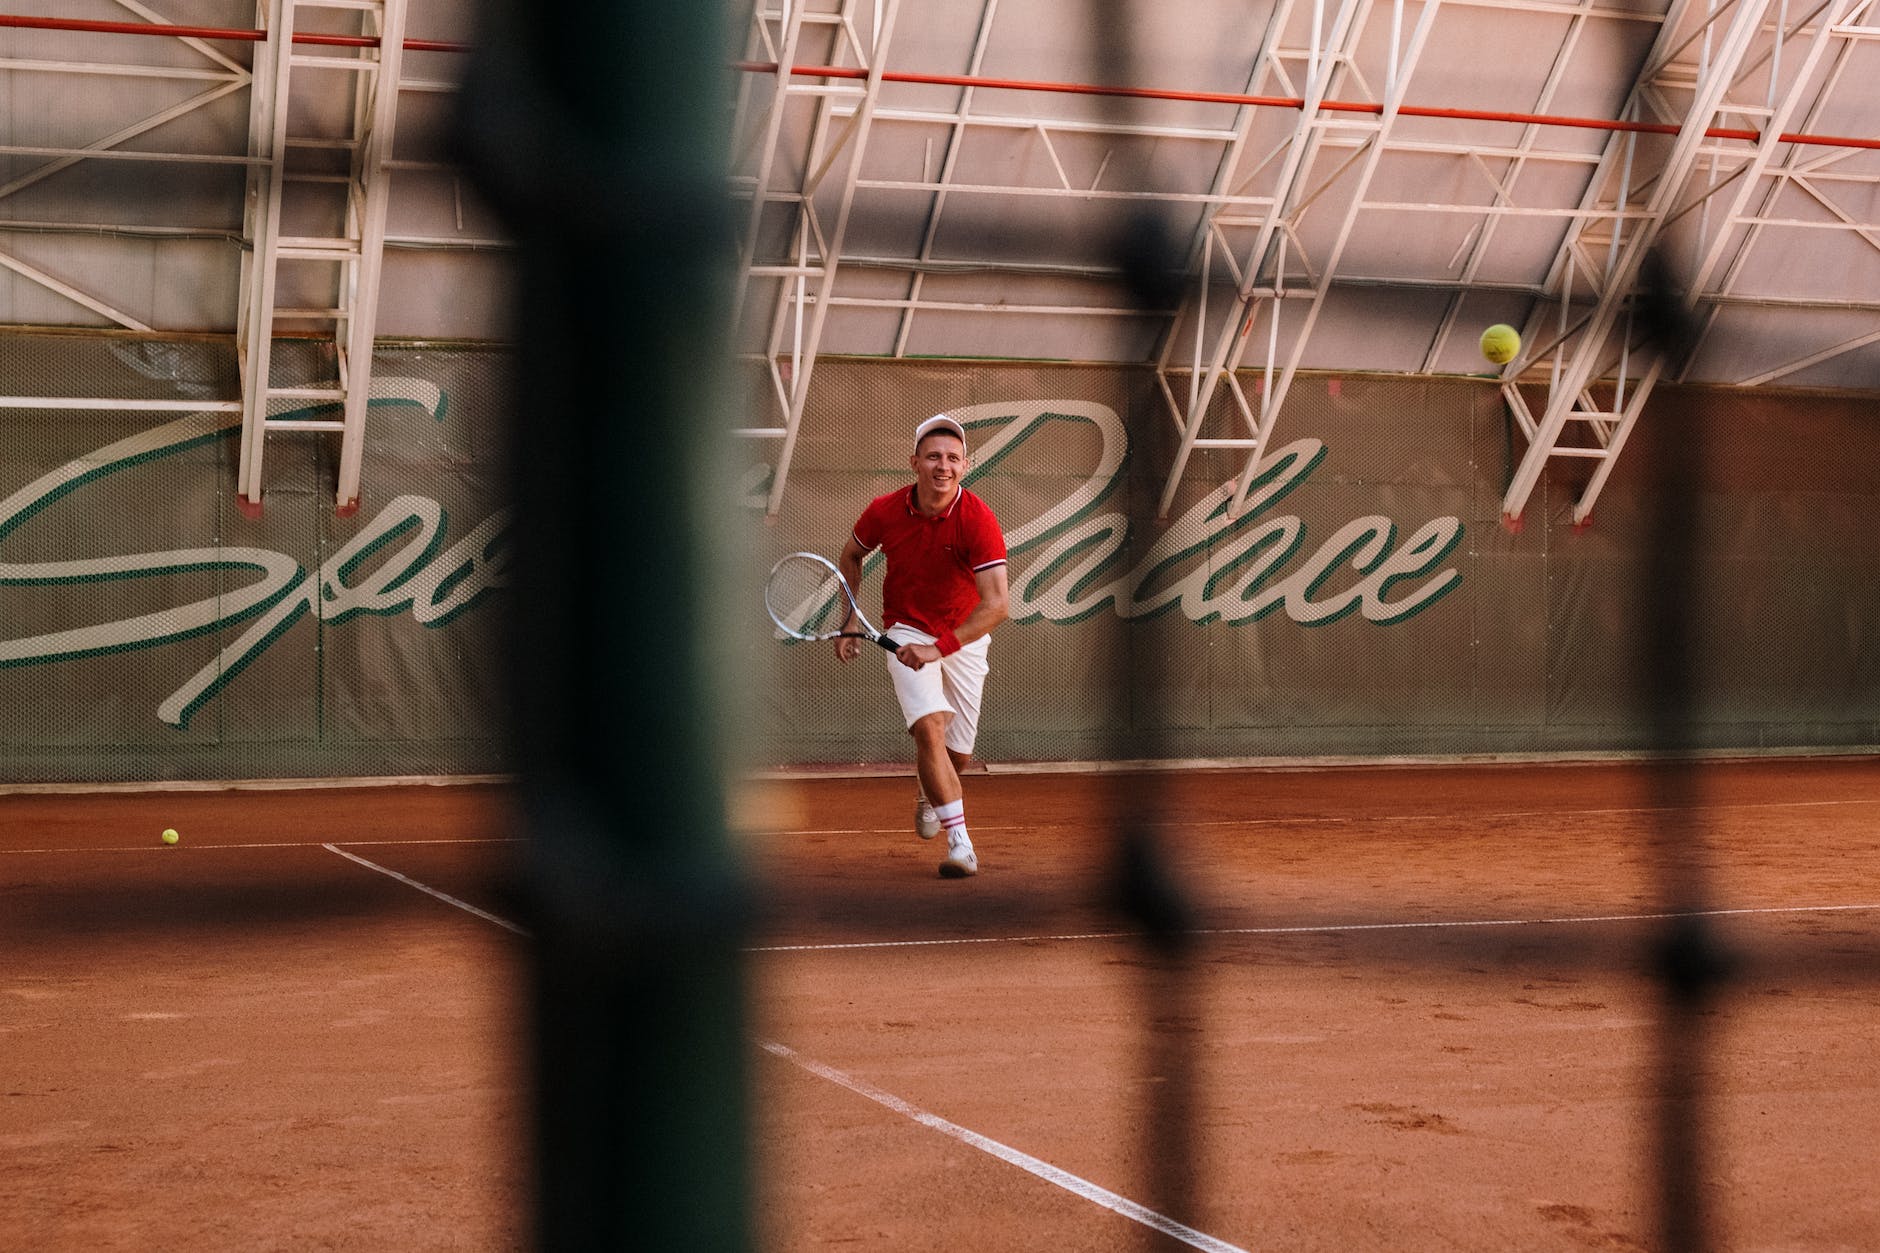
[337,237]
[1311,165]
[1732,174]
[834,156]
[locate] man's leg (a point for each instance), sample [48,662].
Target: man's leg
[938,766]
[934,761]
[932,698]
[926,821]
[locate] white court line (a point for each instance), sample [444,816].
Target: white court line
[1074,1184]
[1319,929]
[171,849]
[428,890]
[1024,1161]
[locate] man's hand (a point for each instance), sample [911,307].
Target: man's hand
[914,656]
[847,648]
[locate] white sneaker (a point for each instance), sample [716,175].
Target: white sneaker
[961,860]
[926,821]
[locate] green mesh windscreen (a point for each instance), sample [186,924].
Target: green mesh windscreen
[1367,603]
[154,630]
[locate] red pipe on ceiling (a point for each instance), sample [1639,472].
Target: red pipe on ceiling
[1001,84]
[1296,102]
[213,32]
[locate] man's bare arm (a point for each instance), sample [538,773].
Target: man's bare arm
[850,564]
[992,608]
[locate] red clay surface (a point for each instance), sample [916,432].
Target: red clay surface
[223,1045]
[1450,1087]
[247,1042]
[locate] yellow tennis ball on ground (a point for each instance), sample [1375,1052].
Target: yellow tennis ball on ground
[1500,343]
[170,836]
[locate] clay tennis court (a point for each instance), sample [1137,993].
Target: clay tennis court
[1415,1011]
[403,404]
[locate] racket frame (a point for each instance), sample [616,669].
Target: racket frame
[867,632]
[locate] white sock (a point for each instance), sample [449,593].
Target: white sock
[952,817]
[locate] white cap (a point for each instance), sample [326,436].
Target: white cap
[938,422]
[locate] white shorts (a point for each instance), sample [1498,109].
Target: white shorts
[951,685]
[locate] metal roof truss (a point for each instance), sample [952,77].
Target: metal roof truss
[803,280]
[1702,187]
[325,217]
[1310,169]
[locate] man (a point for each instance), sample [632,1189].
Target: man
[943,593]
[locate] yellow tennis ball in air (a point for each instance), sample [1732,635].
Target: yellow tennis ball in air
[1500,343]
[170,836]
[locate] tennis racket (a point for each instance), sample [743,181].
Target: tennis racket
[809,599]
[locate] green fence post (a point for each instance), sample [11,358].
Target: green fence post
[598,130]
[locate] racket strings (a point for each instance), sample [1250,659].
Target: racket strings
[804,597]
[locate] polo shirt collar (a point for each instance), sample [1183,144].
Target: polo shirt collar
[913,501]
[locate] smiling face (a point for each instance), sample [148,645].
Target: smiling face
[939,462]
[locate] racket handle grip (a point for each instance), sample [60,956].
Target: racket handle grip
[887,643]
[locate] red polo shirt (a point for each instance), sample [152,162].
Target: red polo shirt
[931,561]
